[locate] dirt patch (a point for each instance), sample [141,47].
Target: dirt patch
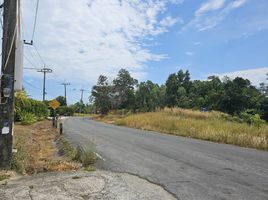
[36,149]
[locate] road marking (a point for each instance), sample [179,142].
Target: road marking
[100,157]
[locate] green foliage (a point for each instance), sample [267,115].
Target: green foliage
[3,177]
[61,100]
[256,120]
[171,90]
[251,117]
[27,118]
[230,96]
[264,108]
[65,111]
[148,96]
[102,95]
[28,110]
[123,87]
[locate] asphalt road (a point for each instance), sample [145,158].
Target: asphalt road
[187,168]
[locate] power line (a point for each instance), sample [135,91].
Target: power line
[34,67]
[22,23]
[11,46]
[34,57]
[1,18]
[42,60]
[35,18]
[33,86]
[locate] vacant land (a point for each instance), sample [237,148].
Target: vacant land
[212,126]
[37,151]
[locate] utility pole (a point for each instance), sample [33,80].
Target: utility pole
[81,101]
[7,82]
[45,71]
[65,90]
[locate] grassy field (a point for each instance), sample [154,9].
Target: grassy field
[212,126]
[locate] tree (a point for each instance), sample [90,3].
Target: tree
[238,96]
[61,100]
[123,87]
[171,91]
[147,96]
[187,82]
[264,108]
[101,94]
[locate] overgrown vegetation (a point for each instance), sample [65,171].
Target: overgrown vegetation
[65,148]
[27,110]
[36,151]
[3,177]
[226,111]
[212,126]
[236,97]
[86,156]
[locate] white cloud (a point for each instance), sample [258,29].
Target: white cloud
[256,76]
[176,1]
[189,53]
[210,5]
[170,21]
[211,13]
[82,39]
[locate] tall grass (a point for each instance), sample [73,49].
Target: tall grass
[212,126]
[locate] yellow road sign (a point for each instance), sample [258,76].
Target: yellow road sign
[54,104]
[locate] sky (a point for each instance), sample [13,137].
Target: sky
[80,40]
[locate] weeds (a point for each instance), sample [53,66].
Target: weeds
[212,126]
[65,148]
[86,156]
[3,177]
[36,150]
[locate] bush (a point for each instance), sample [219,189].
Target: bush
[29,110]
[65,111]
[251,117]
[27,118]
[256,120]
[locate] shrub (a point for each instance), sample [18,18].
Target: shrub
[65,111]
[27,118]
[29,110]
[251,117]
[256,120]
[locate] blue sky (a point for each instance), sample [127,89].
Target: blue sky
[82,39]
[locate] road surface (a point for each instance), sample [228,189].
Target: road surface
[186,168]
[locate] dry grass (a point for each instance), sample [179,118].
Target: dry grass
[37,150]
[211,126]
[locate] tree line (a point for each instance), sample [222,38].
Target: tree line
[233,96]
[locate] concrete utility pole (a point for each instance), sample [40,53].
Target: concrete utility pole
[45,71]
[65,90]
[81,100]
[7,82]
